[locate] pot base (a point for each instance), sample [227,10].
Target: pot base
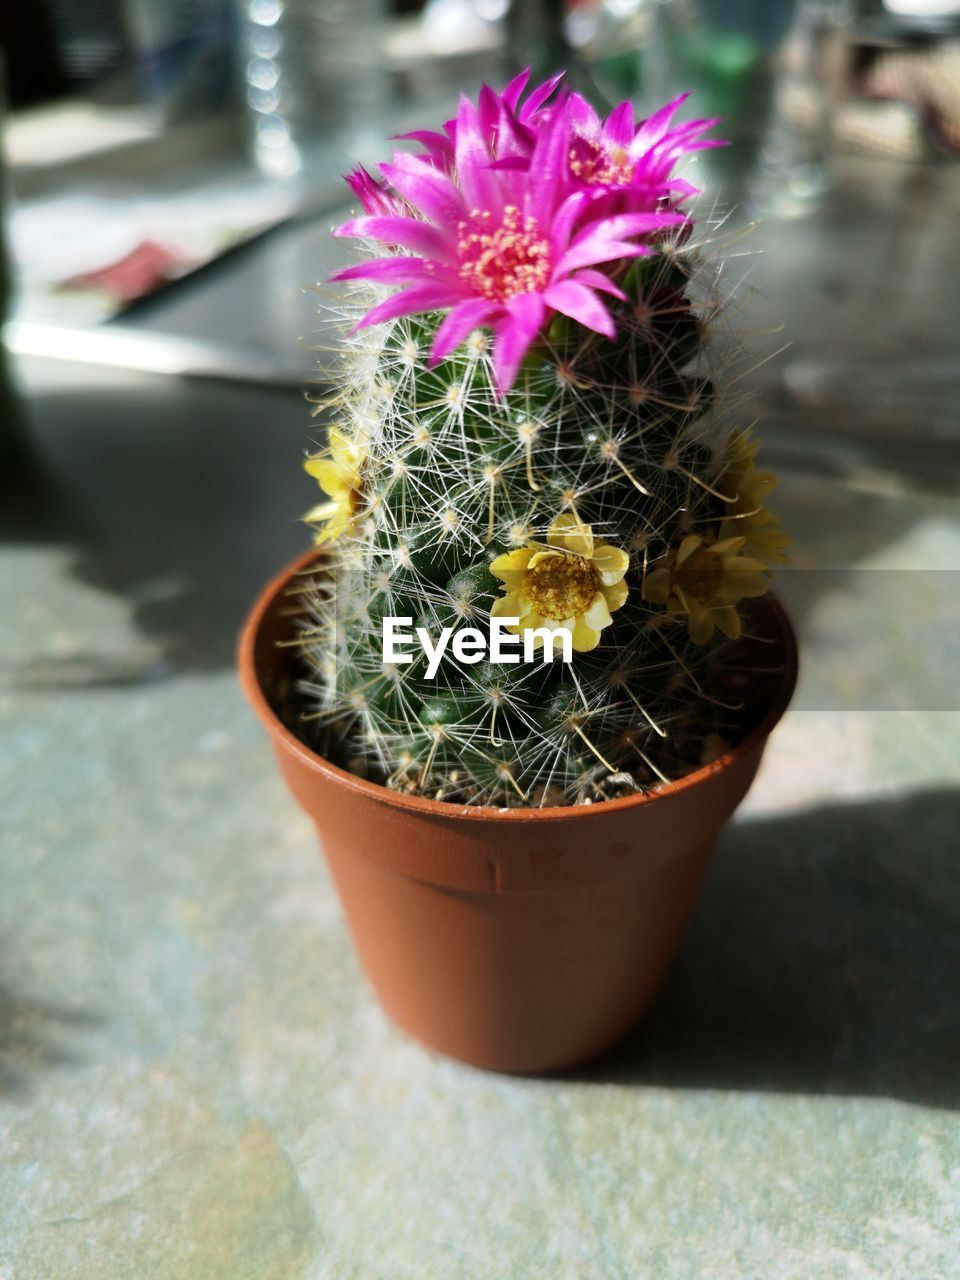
[521,983]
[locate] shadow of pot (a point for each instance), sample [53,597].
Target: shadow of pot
[520,940]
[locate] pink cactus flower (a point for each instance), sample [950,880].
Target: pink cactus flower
[509,213]
[633,162]
[507,124]
[375,197]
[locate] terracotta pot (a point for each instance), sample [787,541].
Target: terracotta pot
[521,940]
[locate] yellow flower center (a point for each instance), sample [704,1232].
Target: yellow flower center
[700,574]
[561,586]
[500,262]
[593,164]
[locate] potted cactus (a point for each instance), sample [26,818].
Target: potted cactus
[530,666]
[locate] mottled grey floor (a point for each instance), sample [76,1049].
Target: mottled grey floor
[195,1082]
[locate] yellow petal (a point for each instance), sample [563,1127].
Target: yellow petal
[700,626]
[333,477]
[344,450]
[585,637]
[769,545]
[742,446]
[687,547]
[743,564]
[512,605]
[325,511]
[736,589]
[597,614]
[511,562]
[570,534]
[728,621]
[334,528]
[610,562]
[538,557]
[537,620]
[690,605]
[616,595]
[725,546]
[512,579]
[752,585]
[656,586]
[762,483]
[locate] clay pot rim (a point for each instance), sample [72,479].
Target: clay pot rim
[246,660]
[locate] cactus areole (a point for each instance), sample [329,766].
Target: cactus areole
[537,596]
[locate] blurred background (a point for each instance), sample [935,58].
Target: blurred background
[146,141]
[171,959]
[173,168]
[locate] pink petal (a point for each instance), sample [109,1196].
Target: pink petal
[528,310]
[425,188]
[409,302]
[653,129]
[562,224]
[676,144]
[581,304]
[510,137]
[682,187]
[514,140]
[618,128]
[458,325]
[411,233]
[511,94]
[539,96]
[597,245]
[549,167]
[670,144]
[634,224]
[488,112]
[438,145]
[597,280]
[398,270]
[601,242]
[515,332]
[480,188]
[583,118]
[373,195]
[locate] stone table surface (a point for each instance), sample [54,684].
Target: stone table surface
[195,1080]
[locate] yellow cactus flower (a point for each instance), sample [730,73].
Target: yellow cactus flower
[338,474]
[763,538]
[746,516]
[738,476]
[705,579]
[573,584]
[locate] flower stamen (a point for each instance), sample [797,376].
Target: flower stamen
[503,263]
[608,167]
[562,586]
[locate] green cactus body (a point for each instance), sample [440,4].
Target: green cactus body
[620,436]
